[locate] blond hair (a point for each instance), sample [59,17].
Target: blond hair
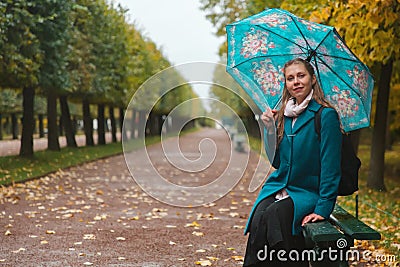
[318,94]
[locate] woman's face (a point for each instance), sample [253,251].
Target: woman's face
[299,82]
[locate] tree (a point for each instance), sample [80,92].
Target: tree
[53,34]
[372,30]
[221,13]
[20,60]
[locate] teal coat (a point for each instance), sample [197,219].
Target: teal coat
[309,169]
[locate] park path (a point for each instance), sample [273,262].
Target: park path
[12,147]
[96,215]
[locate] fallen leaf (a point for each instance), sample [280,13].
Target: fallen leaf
[198,233]
[193,224]
[8,232]
[238,258]
[203,263]
[89,236]
[19,250]
[50,232]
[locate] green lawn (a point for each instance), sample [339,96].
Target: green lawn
[15,169]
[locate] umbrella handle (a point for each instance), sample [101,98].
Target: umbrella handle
[278,103]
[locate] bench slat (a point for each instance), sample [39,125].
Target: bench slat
[322,231]
[352,226]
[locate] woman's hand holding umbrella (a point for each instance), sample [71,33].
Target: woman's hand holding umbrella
[269,116]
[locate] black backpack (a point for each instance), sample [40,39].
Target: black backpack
[350,163]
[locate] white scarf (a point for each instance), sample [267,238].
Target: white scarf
[292,109]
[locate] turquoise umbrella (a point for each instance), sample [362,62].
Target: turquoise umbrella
[260,45]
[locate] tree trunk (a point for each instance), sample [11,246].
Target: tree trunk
[101,124]
[14,126]
[52,128]
[87,122]
[66,119]
[151,121]
[142,124]
[377,163]
[41,126]
[28,124]
[113,124]
[60,127]
[74,125]
[134,123]
[121,125]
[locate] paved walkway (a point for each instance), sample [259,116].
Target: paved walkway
[95,214]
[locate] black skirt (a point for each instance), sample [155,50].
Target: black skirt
[270,232]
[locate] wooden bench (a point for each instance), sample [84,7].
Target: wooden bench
[239,141]
[338,233]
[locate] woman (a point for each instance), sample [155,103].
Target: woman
[303,188]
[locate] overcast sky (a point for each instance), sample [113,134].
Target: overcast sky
[179,27]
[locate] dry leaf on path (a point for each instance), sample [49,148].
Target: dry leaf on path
[198,233]
[203,263]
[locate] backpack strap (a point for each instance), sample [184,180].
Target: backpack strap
[317,122]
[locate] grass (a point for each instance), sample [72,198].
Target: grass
[15,169]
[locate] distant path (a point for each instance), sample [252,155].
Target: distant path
[12,147]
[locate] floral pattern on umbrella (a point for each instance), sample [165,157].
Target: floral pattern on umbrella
[274,20]
[343,102]
[259,46]
[268,77]
[360,79]
[255,42]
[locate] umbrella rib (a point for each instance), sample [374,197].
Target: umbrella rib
[286,39]
[338,76]
[298,28]
[266,56]
[333,56]
[338,57]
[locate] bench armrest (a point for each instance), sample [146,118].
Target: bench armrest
[322,231]
[351,226]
